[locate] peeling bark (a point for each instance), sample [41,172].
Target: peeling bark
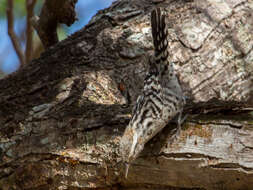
[62,115]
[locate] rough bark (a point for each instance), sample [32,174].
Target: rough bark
[62,116]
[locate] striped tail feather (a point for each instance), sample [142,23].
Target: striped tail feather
[160,34]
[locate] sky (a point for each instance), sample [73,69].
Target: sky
[85,10]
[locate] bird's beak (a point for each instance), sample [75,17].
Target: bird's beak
[126,169]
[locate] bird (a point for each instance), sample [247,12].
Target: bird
[161,99]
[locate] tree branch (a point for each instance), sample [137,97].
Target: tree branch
[52,13]
[13,37]
[29,30]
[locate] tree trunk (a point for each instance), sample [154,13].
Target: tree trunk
[62,115]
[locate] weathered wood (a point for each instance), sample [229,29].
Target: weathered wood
[62,116]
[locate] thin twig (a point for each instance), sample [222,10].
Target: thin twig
[29,30]
[13,36]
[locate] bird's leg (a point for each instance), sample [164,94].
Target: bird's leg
[180,121]
[176,132]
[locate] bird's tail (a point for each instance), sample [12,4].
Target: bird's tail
[160,34]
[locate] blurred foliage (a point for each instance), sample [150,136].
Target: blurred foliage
[19,8]
[61,31]
[2,8]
